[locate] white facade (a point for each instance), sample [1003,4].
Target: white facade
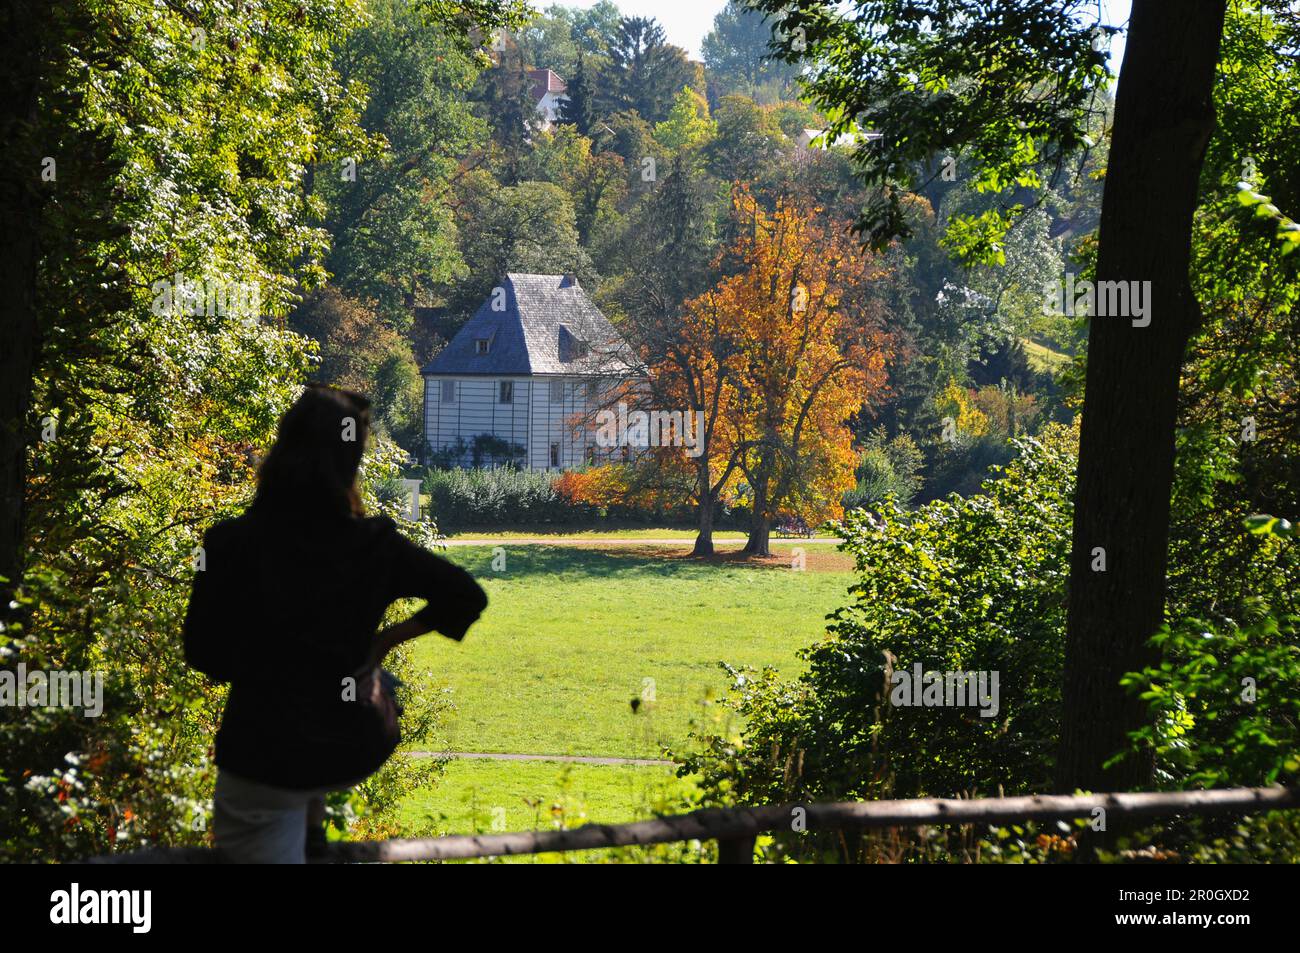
[548,108]
[552,418]
[523,380]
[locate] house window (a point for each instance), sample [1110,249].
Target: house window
[580,349]
[555,454]
[593,390]
[507,393]
[557,392]
[449,392]
[481,345]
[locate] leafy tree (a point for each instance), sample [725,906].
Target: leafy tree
[747,140]
[530,227]
[562,37]
[694,368]
[596,183]
[392,236]
[1015,92]
[688,126]
[645,71]
[886,469]
[361,352]
[632,138]
[794,117]
[506,94]
[808,353]
[579,109]
[737,54]
[547,42]
[181,139]
[661,259]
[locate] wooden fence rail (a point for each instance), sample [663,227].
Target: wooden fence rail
[736,829]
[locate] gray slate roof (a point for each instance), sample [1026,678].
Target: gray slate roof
[540,330]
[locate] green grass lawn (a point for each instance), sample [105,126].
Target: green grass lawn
[484,797]
[487,796]
[562,532]
[571,636]
[1043,358]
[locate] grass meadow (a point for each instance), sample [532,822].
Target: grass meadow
[571,637]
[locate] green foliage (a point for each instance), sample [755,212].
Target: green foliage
[645,71]
[1012,92]
[737,54]
[748,139]
[561,37]
[1225,704]
[979,584]
[688,126]
[530,227]
[391,238]
[497,497]
[975,584]
[186,141]
[579,108]
[887,469]
[359,351]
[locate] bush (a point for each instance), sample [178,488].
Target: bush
[1225,704]
[494,497]
[506,496]
[974,584]
[979,584]
[886,468]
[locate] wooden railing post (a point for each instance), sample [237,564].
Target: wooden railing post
[736,850]
[736,829]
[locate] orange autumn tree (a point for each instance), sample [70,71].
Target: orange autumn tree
[807,350]
[695,370]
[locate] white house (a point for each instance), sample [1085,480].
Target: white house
[809,139]
[526,377]
[548,94]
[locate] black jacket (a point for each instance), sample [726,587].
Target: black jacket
[286,610]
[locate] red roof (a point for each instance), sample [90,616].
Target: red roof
[545,81]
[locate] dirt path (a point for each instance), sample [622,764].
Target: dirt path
[625,541]
[567,758]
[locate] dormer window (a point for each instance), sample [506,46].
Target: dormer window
[572,347]
[482,345]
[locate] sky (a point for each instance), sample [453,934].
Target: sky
[688,21]
[685,21]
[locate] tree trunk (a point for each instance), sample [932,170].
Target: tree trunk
[704,541]
[1164,116]
[760,526]
[760,536]
[20,208]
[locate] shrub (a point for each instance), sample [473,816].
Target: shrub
[979,584]
[886,468]
[490,497]
[974,584]
[1225,704]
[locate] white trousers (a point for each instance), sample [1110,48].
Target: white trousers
[256,823]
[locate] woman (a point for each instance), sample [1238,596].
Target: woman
[285,608]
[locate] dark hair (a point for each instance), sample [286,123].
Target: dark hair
[312,467]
